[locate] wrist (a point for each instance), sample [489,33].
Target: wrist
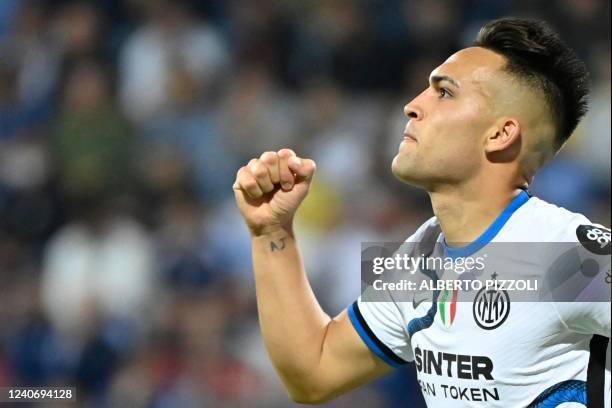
[272,231]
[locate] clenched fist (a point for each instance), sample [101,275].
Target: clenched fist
[269,190]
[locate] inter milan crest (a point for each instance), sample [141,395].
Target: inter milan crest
[491,307]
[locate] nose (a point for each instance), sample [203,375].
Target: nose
[413,111]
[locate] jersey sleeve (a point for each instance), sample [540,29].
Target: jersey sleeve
[587,311]
[379,322]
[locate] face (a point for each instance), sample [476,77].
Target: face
[448,122]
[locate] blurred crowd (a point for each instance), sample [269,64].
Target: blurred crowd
[124,264]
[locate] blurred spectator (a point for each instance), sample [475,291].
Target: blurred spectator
[78,30]
[170,38]
[34,54]
[92,141]
[28,71]
[106,268]
[190,126]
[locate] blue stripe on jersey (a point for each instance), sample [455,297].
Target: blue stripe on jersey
[565,391]
[491,232]
[370,339]
[424,322]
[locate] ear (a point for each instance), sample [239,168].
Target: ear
[502,136]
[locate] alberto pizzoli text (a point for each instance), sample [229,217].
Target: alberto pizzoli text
[459,284]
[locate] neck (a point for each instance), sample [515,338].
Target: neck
[466,211]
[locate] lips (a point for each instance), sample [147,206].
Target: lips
[410,137]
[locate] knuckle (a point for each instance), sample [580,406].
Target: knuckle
[243,174]
[269,157]
[253,164]
[286,153]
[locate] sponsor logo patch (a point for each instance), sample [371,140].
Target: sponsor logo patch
[595,239]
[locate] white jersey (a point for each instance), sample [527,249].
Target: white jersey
[539,354]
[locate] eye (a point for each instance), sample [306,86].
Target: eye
[444,93]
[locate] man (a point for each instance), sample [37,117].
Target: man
[492,115]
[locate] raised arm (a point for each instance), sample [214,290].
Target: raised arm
[317,358]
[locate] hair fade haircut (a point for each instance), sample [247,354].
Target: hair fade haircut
[537,55]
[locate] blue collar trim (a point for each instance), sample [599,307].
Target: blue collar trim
[490,233]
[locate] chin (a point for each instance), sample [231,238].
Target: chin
[405,174]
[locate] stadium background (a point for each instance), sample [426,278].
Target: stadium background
[124,265]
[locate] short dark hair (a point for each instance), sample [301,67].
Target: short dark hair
[537,55]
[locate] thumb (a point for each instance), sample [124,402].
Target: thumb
[303,168]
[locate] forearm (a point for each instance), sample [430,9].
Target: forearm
[316,357]
[292,322]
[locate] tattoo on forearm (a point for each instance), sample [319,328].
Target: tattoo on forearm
[278,245]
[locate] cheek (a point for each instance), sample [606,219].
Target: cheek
[458,127]
[455,138]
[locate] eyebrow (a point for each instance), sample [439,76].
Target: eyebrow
[436,79]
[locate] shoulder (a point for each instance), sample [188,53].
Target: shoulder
[540,221]
[423,240]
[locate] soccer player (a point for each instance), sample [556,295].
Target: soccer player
[492,115]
